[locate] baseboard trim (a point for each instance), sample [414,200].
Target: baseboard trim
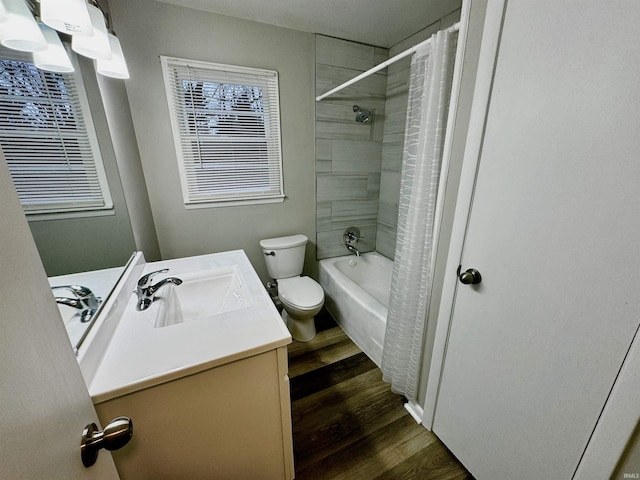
[414,410]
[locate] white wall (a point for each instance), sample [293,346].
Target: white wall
[118,113]
[148,29]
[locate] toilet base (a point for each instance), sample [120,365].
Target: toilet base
[301,330]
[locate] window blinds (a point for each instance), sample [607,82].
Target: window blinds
[226,126]
[48,139]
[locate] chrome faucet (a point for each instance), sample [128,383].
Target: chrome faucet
[83,299]
[352,249]
[146,292]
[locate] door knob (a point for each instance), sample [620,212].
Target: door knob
[115,435]
[470,277]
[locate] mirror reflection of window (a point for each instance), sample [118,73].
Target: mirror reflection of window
[48,139]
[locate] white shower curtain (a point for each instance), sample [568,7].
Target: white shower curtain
[429,94]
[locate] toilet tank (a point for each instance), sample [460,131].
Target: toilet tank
[284,256]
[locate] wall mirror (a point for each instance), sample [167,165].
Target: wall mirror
[70,243]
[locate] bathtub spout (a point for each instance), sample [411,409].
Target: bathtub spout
[353,249]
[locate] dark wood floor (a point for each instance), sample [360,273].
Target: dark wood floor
[346,422]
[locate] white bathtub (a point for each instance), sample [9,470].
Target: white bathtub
[357,295]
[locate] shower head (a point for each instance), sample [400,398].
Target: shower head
[362,116]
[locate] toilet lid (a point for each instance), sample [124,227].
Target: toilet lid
[301,291]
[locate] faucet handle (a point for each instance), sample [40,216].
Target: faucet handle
[351,236]
[146,279]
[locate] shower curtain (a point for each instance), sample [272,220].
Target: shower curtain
[429,94]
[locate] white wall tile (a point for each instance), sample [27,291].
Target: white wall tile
[342,131]
[361,210]
[386,240]
[323,149]
[323,166]
[336,187]
[323,216]
[356,156]
[373,186]
[391,156]
[342,53]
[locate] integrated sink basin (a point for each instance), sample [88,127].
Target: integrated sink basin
[203,294]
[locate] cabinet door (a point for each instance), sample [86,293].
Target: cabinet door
[554,230]
[222,423]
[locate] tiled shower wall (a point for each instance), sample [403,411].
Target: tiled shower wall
[358,165]
[393,140]
[348,153]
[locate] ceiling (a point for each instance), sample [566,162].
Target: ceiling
[382,23]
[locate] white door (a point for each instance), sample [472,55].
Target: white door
[554,230]
[44,404]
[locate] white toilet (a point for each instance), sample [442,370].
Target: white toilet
[302,297]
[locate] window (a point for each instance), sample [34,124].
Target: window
[48,139]
[226,127]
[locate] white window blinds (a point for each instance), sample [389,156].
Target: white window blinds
[48,139]
[226,126]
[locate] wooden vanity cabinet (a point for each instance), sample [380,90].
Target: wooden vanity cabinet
[228,422]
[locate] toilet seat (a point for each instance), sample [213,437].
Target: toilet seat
[301,292]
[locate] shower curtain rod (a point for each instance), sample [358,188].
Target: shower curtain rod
[453,28]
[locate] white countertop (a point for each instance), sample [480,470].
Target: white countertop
[140,356]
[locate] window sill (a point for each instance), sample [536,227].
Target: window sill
[234,203]
[37,217]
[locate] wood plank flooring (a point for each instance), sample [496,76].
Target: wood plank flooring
[346,422]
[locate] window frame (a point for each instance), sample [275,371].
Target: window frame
[186,143]
[81,110]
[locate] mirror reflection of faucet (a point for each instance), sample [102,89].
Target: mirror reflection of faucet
[83,299]
[146,291]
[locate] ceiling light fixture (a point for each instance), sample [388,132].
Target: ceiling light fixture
[66,16]
[91,34]
[96,45]
[54,58]
[116,67]
[18,28]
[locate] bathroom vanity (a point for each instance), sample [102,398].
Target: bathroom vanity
[202,373]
